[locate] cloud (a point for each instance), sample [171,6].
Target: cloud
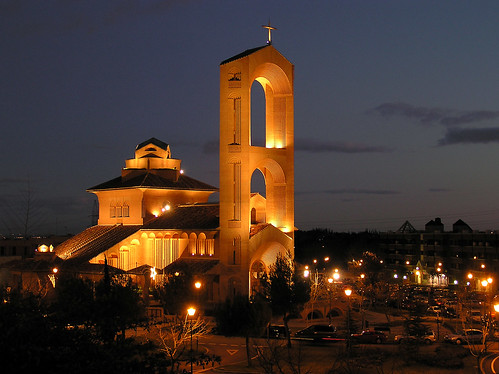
[361,191]
[320,146]
[439,190]
[467,136]
[430,116]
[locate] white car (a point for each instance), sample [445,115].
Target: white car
[467,336]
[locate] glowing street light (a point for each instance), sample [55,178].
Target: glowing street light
[197,285]
[484,283]
[190,312]
[470,276]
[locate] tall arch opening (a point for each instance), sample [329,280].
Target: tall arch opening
[258,114]
[258,183]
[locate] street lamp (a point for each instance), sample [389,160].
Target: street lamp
[329,289]
[348,292]
[190,313]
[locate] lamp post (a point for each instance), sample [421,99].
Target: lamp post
[329,289]
[348,292]
[190,313]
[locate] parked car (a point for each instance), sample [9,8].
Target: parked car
[276,332]
[369,337]
[467,336]
[435,310]
[428,338]
[318,333]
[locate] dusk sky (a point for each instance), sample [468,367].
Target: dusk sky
[396,103]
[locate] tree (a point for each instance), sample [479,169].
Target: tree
[286,290]
[243,317]
[176,292]
[35,338]
[174,337]
[74,303]
[118,306]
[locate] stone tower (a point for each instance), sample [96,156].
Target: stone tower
[253,228]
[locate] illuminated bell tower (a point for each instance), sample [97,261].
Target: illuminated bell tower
[239,159]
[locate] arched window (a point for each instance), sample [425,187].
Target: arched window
[201,244]
[253,216]
[192,243]
[126,210]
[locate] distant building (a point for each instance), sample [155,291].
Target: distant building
[438,257]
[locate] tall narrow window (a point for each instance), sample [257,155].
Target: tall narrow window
[237,192]
[112,211]
[237,120]
[236,251]
[119,211]
[126,210]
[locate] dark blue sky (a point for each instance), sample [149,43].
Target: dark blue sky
[396,103]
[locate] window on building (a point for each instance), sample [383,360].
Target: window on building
[112,212]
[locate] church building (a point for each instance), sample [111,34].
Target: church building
[154,219]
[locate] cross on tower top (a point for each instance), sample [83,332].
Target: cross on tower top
[270,28]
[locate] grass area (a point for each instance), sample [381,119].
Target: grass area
[368,359]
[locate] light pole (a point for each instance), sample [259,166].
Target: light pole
[348,292]
[190,313]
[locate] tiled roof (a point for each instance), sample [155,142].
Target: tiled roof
[243,54]
[155,181]
[195,266]
[88,268]
[197,216]
[154,141]
[255,229]
[32,265]
[94,240]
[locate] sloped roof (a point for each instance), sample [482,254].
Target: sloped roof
[150,180]
[255,229]
[154,141]
[243,54]
[406,228]
[196,216]
[88,268]
[93,241]
[195,266]
[32,265]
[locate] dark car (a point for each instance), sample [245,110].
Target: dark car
[318,333]
[369,337]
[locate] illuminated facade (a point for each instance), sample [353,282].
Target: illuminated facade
[153,218]
[254,229]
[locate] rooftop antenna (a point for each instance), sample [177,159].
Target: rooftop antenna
[269,28]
